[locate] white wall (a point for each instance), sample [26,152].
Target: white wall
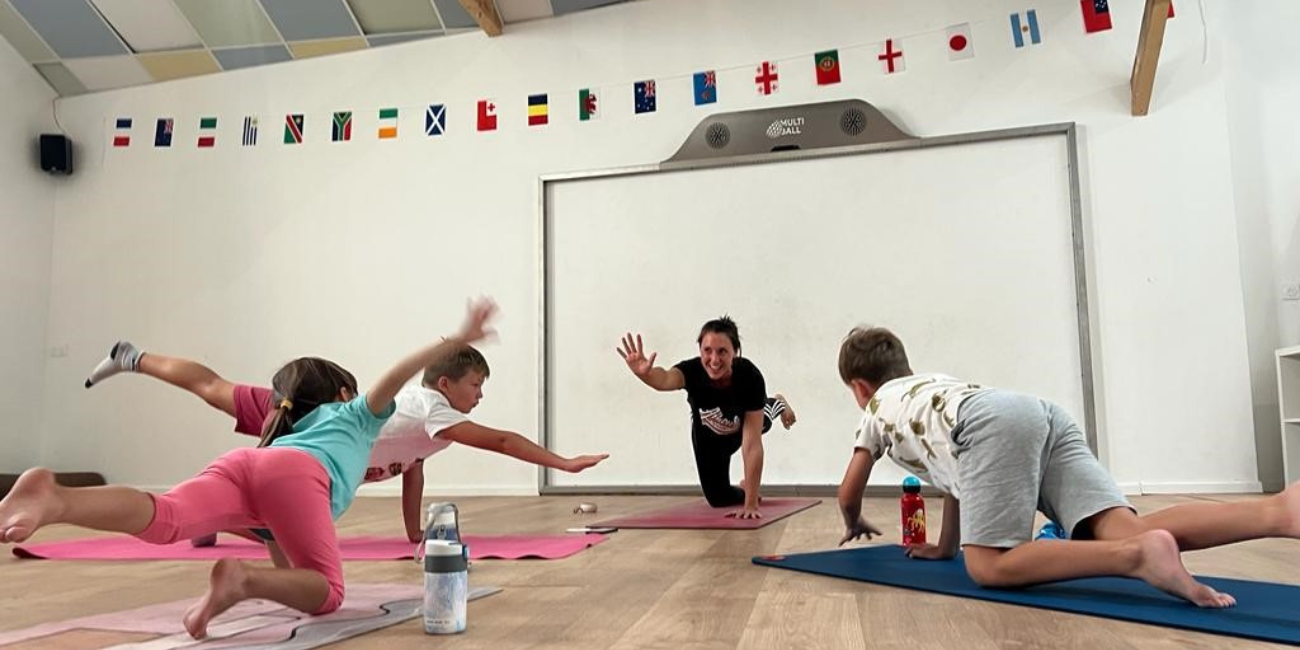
[363,250]
[1263,91]
[26,226]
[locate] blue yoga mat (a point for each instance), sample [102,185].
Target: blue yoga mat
[1266,611]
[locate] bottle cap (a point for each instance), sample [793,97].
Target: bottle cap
[912,485]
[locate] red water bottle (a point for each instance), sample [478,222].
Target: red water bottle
[913,507]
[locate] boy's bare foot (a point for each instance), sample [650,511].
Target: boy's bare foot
[226,586]
[1161,566]
[787,415]
[32,503]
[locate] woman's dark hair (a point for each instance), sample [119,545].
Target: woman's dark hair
[722,325]
[300,386]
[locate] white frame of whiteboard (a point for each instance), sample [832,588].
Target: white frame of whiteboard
[1066,130]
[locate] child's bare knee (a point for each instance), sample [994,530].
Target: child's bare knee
[333,600]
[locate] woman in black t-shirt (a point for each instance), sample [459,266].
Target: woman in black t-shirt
[730,410]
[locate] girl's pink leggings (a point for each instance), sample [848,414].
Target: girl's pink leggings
[283,489]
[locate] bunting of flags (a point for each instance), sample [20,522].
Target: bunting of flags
[207,132]
[538,111]
[643,97]
[892,59]
[122,134]
[487,115]
[435,119]
[1024,28]
[706,87]
[588,105]
[960,45]
[293,129]
[387,123]
[828,67]
[766,78]
[250,131]
[341,128]
[162,135]
[828,70]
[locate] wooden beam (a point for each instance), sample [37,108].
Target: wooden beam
[1148,54]
[485,13]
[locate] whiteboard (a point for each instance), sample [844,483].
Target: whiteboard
[969,251]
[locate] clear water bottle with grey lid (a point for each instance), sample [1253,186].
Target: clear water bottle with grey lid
[446,587]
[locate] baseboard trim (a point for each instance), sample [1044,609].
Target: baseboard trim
[66,479]
[1227,487]
[394,489]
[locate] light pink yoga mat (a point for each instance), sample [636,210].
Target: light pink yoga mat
[251,624]
[699,514]
[506,547]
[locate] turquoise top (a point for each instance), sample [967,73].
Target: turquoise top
[339,435]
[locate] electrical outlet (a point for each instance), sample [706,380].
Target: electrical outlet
[1291,291]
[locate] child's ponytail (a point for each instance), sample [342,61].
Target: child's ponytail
[300,386]
[280,422]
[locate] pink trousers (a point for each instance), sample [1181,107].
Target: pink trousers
[285,490]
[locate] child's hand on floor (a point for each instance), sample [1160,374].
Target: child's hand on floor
[858,529]
[928,552]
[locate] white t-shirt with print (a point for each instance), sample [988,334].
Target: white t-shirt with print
[413,433]
[911,419]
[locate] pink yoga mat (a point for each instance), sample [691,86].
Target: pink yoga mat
[506,547]
[699,514]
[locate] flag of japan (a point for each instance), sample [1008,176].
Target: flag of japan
[960,45]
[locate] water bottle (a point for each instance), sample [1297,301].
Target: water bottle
[446,587]
[442,521]
[913,507]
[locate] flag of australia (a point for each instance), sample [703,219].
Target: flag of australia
[644,95]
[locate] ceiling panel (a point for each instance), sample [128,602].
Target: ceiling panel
[175,65]
[97,44]
[513,11]
[247,57]
[307,49]
[22,36]
[562,7]
[306,20]
[149,25]
[453,15]
[70,27]
[229,23]
[61,79]
[105,72]
[390,39]
[395,16]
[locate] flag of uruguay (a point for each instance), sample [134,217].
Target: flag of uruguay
[1022,24]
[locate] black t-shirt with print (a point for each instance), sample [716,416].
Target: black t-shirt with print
[720,411]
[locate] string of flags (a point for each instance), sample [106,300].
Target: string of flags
[1024,29]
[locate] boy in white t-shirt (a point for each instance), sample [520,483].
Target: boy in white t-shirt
[999,457]
[430,416]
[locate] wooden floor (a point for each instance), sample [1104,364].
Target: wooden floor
[676,590]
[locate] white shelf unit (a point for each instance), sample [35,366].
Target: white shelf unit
[1288,397]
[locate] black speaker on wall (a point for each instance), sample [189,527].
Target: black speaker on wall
[56,153]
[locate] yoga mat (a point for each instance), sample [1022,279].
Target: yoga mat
[1265,611]
[250,624]
[699,514]
[481,547]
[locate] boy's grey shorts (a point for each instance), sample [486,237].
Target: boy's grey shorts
[1017,454]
